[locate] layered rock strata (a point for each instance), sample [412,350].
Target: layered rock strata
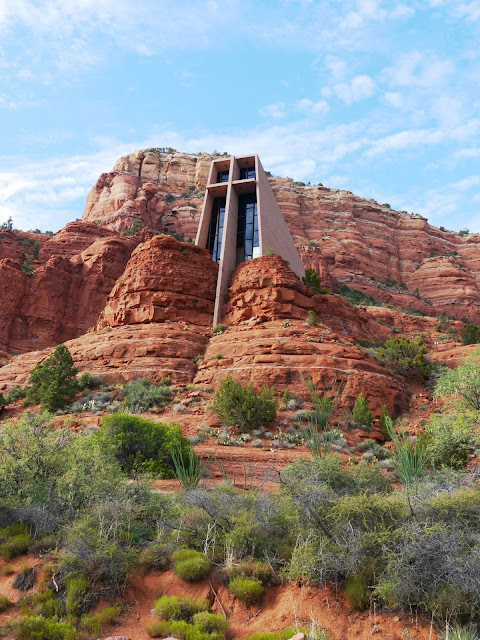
[348,239]
[165,280]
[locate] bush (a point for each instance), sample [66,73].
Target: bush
[4,603]
[37,628]
[87,381]
[25,580]
[76,588]
[450,439]
[143,445]
[141,394]
[219,328]
[357,592]
[471,334]
[237,405]
[156,557]
[246,589]
[361,413]
[313,281]
[312,318]
[180,607]
[210,622]
[15,394]
[191,565]
[53,383]
[408,357]
[251,568]
[15,546]
[462,382]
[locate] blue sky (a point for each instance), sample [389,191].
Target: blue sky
[378,97]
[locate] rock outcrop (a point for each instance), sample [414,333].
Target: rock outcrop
[346,239]
[66,293]
[165,280]
[269,342]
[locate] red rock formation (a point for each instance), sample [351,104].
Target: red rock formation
[268,341]
[346,238]
[64,296]
[164,280]
[124,353]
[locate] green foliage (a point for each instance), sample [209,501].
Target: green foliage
[180,607]
[410,460]
[27,265]
[471,334]
[134,228]
[14,394]
[357,592]
[251,568]
[356,297]
[462,383]
[237,405]
[247,590]
[382,422]
[38,628]
[191,565]
[3,401]
[269,251]
[219,328]
[210,622]
[313,281]
[15,545]
[189,471]
[141,394]
[458,633]
[76,588]
[317,438]
[361,413]
[53,383]
[312,318]
[408,357]
[142,445]
[4,603]
[87,381]
[451,438]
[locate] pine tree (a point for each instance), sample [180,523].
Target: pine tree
[53,382]
[362,414]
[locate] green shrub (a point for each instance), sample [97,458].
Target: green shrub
[471,334]
[219,328]
[143,445]
[245,589]
[37,628]
[76,589]
[210,622]
[87,381]
[237,405]
[4,603]
[251,568]
[15,546]
[15,394]
[361,413]
[462,383]
[191,565]
[312,318]
[90,622]
[109,615]
[382,425]
[156,556]
[313,281]
[53,383]
[408,357]
[180,607]
[450,439]
[45,604]
[357,592]
[458,633]
[141,394]
[3,402]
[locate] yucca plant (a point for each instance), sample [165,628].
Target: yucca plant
[410,460]
[189,469]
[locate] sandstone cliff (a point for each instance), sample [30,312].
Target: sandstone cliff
[347,239]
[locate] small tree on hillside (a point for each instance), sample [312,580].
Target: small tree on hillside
[237,405]
[53,382]
[313,281]
[462,382]
[361,413]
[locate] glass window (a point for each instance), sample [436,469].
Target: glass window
[247,228]
[222,176]
[215,229]
[247,173]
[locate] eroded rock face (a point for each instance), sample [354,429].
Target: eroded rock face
[165,280]
[65,294]
[269,342]
[345,238]
[117,355]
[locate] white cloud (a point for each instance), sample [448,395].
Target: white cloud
[275,111]
[309,106]
[396,100]
[358,88]
[418,69]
